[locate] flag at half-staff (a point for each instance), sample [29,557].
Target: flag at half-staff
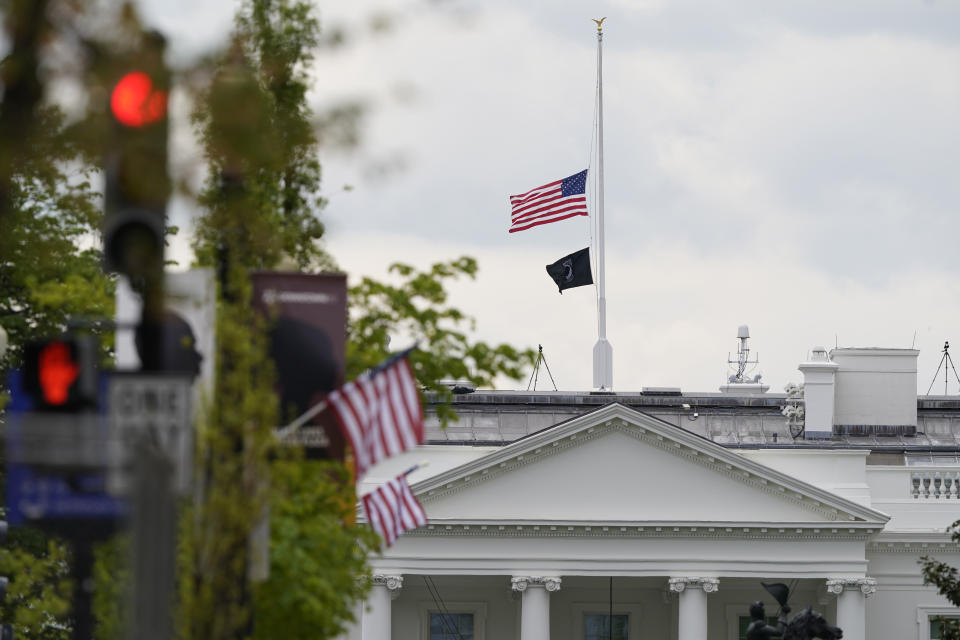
[380,412]
[392,509]
[554,201]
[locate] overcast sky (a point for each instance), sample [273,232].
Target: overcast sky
[787,165]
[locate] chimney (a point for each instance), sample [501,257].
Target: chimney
[819,381]
[876,391]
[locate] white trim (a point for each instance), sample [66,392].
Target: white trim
[602,607]
[478,609]
[925,612]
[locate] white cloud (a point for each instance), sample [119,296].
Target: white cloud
[786,165]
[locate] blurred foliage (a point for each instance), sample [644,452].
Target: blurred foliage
[112,584]
[317,552]
[262,196]
[234,437]
[50,269]
[261,208]
[38,595]
[947,581]
[416,309]
[50,272]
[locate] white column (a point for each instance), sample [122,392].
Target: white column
[851,604]
[535,605]
[376,616]
[354,630]
[692,614]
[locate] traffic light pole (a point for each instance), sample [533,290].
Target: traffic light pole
[138,187]
[154,543]
[81,570]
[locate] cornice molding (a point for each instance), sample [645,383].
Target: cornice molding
[922,548]
[685,530]
[916,542]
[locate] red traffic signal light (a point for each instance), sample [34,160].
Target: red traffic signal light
[61,374]
[136,101]
[56,372]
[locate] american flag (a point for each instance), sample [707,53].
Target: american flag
[380,412]
[558,200]
[393,509]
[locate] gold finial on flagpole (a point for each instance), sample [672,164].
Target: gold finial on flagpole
[599,22]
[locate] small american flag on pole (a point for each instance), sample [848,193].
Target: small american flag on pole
[380,412]
[558,200]
[392,509]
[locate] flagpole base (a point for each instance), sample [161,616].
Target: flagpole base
[603,365]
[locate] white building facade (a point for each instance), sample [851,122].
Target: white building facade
[557,516]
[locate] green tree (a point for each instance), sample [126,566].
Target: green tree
[260,209]
[38,596]
[49,272]
[112,583]
[947,581]
[261,199]
[317,552]
[415,307]
[50,268]
[26,26]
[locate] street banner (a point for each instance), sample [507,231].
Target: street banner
[307,316]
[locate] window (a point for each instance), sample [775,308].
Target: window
[928,459]
[452,620]
[929,626]
[451,626]
[936,628]
[744,622]
[596,626]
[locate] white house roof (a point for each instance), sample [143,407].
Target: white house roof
[618,467]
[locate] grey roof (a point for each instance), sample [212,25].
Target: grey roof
[732,420]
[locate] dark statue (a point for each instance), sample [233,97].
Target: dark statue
[805,625]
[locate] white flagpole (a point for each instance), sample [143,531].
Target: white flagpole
[602,350]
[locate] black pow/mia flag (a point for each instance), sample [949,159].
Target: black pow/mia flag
[572,270]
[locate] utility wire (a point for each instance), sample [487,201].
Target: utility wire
[444,612]
[610,617]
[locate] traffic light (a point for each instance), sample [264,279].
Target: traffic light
[61,374]
[137,180]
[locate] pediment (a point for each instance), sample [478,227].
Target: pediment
[620,466]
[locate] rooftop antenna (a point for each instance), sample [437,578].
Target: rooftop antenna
[743,355]
[536,370]
[947,363]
